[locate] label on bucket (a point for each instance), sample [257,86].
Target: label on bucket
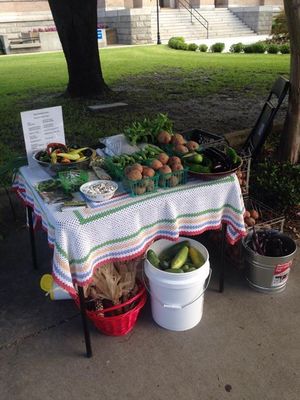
[281,273]
[280,268]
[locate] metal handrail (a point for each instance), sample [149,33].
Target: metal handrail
[203,21]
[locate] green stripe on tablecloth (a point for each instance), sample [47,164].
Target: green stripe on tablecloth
[125,238]
[85,220]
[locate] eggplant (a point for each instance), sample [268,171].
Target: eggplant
[221,162]
[219,167]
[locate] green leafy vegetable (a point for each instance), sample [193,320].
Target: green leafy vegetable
[147,130]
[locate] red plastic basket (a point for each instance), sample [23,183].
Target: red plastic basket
[118,325]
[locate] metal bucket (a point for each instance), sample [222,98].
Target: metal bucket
[268,274]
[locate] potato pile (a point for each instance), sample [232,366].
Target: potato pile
[177,142]
[251,217]
[242,177]
[167,167]
[138,175]
[163,166]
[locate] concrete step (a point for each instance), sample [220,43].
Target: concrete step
[200,27]
[195,22]
[211,31]
[187,15]
[175,22]
[168,35]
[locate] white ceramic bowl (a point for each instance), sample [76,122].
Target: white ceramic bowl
[99,190]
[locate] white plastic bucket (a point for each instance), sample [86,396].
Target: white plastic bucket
[177,299]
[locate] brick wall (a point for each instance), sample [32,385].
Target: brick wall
[22,16]
[257,18]
[131,18]
[23,6]
[253,3]
[278,3]
[133,26]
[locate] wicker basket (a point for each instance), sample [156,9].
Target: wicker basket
[120,324]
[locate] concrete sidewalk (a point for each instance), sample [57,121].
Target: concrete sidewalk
[246,346]
[228,41]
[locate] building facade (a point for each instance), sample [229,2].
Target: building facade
[135,20]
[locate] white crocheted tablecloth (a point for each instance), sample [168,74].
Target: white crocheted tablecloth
[122,228]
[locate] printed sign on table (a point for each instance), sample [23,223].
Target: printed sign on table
[41,127]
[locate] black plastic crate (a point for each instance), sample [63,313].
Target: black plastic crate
[202,137]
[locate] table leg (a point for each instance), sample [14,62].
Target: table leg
[222,270]
[32,237]
[84,323]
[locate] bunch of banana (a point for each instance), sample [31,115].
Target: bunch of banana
[77,155]
[60,153]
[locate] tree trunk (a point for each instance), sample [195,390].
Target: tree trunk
[76,24]
[290,138]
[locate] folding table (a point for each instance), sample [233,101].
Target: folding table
[123,227]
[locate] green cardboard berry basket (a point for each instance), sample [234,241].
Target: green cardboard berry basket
[175,178]
[141,187]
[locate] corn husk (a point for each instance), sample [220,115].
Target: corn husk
[115,282]
[127,271]
[106,284]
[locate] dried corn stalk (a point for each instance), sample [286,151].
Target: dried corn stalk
[127,271]
[106,285]
[114,281]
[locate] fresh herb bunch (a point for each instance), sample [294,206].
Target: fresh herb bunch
[147,130]
[278,184]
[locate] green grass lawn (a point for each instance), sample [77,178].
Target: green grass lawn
[34,81]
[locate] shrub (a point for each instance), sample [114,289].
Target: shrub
[203,48]
[273,49]
[102,26]
[192,47]
[182,46]
[217,47]
[172,42]
[7,158]
[279,27]
[285,48]
[176,42]
[259,47]
[46,29]
[248,48]
[278,184]
[237,48]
